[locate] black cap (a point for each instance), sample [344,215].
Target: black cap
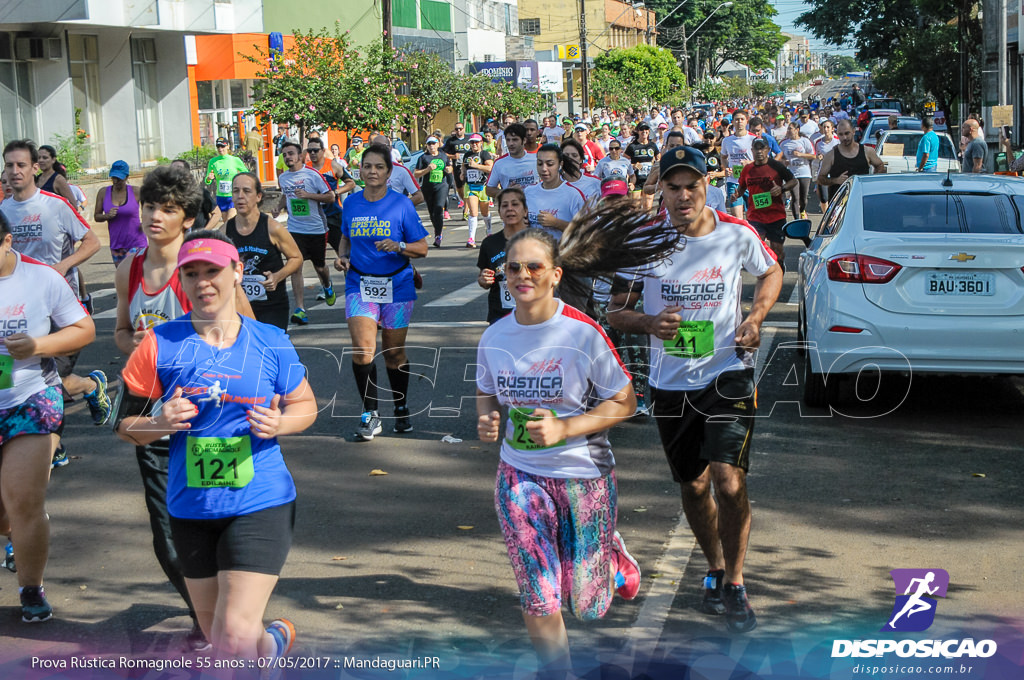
[221,141]
[642,126]
[683,157]
[759,144]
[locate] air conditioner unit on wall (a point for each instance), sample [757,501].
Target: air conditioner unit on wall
[36,49]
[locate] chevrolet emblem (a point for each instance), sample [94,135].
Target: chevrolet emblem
[961,257]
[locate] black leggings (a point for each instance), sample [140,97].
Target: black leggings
[436,198]
[799,194]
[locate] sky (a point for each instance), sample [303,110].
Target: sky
[788,11]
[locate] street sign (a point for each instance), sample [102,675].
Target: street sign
[1002,115]
[568,52]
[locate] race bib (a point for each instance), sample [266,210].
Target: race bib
[762,200]
[694,340]
[354,171]
[6,372]
[299,207]
[224,187]
[520,436]
[736,170]
[507,301]
[379,289]
[473,176]
[645,168]
[215,462]
[436,171]
[252,284]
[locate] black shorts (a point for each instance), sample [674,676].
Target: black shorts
[825,193]
[258,542]
[712,424]
[457,174]
[772,230]
[65,365]
[312,247]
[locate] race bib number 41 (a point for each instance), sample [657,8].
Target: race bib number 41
[521,439]
[379,289]
[215,462]
[694,340]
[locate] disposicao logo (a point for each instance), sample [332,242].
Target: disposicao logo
[914,611]
[916,590]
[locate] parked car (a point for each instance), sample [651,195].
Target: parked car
[409,157]
[888,103]
[913,273]
[898,150]
[880,123]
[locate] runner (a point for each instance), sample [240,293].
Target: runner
[563,385]
[170,201]
[491,260]
[736,154]
[220,170]
[767,180]
[518,168]
[40,317]
[401,179]
[799,153]
[305,191]
[552,133]
[208,213]
[268,251]
[53,176]
[339,182]
[476,164]
[650,187]
[643,154]
[230,497]
[592,151]
[45,228]
[118,206]
[553,203]
[702,369]
[354,157]
[533,138]
[847,158]
[572,170]
[825,143]
[380,233]
[614,166]
[433,169]
[456,147]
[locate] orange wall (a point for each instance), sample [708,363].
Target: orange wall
[220,56]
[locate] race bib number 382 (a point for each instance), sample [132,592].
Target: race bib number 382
[214,462]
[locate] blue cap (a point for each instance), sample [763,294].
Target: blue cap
[119,170]
[683,157]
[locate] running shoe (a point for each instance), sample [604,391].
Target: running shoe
[369,426]
[329,297]
[320,296]
[627,579]
[402,422]
[712,602]
[299,317]
[8,562]
[642,408]
[462,204]
[447,215]
[99,402]
[471,243]
[437,241]
[803,215]
[196,641]
[739,616]
[34,607]
[60,457]
[87,303]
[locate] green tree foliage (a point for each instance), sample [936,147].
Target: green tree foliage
[743,32]
[638,76]
[841,64]
[916,43]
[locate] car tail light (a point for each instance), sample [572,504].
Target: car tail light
[845,329]
[861,269]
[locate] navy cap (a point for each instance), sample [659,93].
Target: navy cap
[683,157]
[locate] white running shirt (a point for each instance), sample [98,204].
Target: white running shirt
[305,216]
[563,203]
[508,171]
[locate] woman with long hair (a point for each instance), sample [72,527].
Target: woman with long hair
[799,153]
[53,176]
[573,158]
[552,202]
[562,385]
[228,386]
[511,203]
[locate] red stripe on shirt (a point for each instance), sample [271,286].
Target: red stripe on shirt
[68,204]
[572,313]
[723,217]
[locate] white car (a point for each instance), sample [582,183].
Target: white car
[898,150]
[914,273]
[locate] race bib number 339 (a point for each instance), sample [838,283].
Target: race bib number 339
[219,462]
[693,340]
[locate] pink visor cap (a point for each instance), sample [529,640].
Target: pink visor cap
[614,187]
[209,250]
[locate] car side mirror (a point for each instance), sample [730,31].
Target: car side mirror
[799,230]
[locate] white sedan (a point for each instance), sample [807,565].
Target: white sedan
[898,150]
[914,273]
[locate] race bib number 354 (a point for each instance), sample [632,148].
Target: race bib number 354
[694,340]
[214,462]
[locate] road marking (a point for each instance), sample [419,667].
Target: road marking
[778,324]
[103,292]
[671,567]
[109,314]
[794,297]
[460,297]
[415,325]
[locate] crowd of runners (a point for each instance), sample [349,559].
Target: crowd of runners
[613,269]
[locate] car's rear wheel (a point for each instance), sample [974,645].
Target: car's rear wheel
[819,393]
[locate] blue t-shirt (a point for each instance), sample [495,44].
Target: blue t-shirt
[364,223]
[773,144]
[210,473]
[929,145]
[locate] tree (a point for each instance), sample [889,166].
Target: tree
[638,76]
[743,32]
[841,64]
[917,43]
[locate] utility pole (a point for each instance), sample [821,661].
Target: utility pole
[686,57]
[1001,46]
[385,13]
[584,67]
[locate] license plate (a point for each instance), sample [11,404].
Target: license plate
[960,283]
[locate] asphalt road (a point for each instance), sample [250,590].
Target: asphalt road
[412,563]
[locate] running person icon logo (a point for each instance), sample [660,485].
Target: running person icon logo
[916,590]
[214,394]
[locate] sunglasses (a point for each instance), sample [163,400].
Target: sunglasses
[313,149]
[533,267]
[614,148]
[459,129]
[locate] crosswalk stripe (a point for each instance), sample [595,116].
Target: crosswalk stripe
[459,297]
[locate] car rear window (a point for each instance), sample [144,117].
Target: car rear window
[943,213]
[908,144]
